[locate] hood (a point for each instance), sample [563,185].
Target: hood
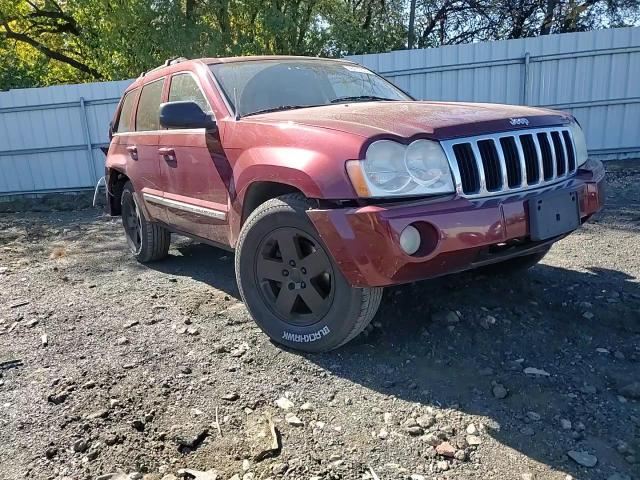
[438,120]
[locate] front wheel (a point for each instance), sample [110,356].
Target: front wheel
[290,284]
[148,241]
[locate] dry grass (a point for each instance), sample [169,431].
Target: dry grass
[58,252]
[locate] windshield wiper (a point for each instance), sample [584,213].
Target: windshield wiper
[277,109]
[361,98]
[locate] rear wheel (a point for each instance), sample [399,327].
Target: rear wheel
[147,240]
[290,284]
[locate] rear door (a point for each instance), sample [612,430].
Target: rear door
[123,129]
[142,147]
[195,170]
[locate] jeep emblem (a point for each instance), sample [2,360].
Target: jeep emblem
[518,121]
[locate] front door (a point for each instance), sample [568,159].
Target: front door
[195,171]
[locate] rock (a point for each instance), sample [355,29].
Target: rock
[284,403]
[461,456]
[122,341]
[434,439]
[536,371]
[93,454]
[59,397]
[449,317]
[388,418]
[292,419]
[240,350]
[113,439]
[44,340]
[383,434]
[534,416]
[103,413]
[414,430]
[473,440]
[442,465]
[565,424]
[486,372]
[426,421]
[527,476]
[51,452]
[230,397]
[499,391]
[263,438]
[487,321]
[588,315]
[632,390]
[193,331]
[471,429]
[279,468]
[191,442]
[417,476]
[446,450]
[583,458]
[138,425]
[80,446]
[190,474]
[306,407]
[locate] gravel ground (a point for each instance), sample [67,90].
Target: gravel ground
[110,366]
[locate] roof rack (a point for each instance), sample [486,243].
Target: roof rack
[169,61]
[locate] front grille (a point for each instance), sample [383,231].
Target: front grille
[510,161]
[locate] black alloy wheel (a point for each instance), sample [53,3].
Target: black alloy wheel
[295,276]
[132,223]
[294,290]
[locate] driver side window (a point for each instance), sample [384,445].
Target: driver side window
[185,88]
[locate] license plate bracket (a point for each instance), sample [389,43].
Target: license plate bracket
[553,214]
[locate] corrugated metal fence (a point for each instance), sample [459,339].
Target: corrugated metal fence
[49,137]
[595,75]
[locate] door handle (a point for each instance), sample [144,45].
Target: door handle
[133,151]
[169,154]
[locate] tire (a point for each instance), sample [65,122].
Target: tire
[513,266]
[290,284]
[148,241]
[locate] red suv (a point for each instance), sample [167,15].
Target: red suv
[330,183]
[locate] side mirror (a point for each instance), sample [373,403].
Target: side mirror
[185,115]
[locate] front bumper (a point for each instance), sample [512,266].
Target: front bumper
[458,233]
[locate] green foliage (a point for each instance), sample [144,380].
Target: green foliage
[45,42]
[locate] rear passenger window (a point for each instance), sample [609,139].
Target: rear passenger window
[124,120]
[148,114]
[185,88]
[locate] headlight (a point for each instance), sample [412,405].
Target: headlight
[393,169]
[579,142]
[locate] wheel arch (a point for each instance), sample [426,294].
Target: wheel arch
[116,180]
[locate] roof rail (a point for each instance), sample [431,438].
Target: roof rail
[169,61]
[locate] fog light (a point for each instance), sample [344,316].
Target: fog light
[410,240]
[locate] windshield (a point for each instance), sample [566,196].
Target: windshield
[259,86]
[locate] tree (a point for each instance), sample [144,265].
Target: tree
[43,42]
